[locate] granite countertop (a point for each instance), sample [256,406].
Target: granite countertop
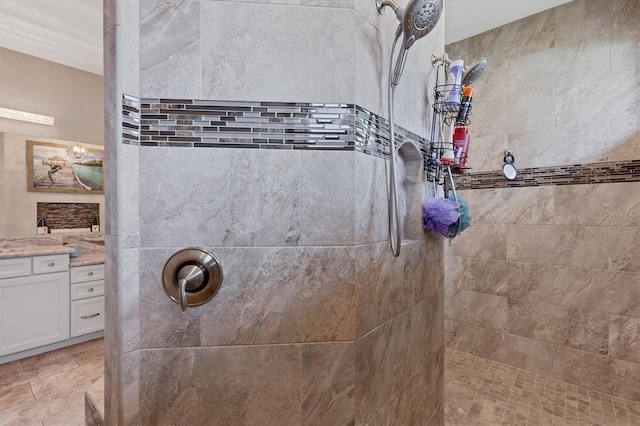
[91,258]
[7,253]
[87,259]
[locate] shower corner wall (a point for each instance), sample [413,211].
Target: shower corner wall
[547,279]
[315,322]
[121,76]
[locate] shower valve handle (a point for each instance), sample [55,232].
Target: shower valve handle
[191,277]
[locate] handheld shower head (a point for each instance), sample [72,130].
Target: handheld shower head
[418,19]
[474,71]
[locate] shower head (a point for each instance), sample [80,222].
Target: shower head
[474,71]
[418,19]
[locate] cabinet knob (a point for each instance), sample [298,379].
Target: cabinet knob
[52,263]
[90,274]
[89,290]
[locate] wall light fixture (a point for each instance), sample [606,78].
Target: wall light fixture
[13,114]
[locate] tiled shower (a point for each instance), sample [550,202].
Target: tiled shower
[211,111]
[256,130]
[548,278]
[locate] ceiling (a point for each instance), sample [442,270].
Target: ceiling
[466,18]
[69,32]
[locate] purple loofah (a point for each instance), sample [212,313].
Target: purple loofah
[438,214]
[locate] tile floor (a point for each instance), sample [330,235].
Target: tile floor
[48,389]
[483,392]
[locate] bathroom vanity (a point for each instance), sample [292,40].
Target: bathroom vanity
[47,300]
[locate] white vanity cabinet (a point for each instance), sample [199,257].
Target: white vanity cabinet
[34,302]
[87,299]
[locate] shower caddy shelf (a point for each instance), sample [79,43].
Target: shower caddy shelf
[444,113]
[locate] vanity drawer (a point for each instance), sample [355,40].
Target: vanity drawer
[87,316]
[88,289]
[87,273]
[52,263]
[15,267]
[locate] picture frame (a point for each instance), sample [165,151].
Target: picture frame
[51,169]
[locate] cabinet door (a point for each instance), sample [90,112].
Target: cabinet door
[34,311]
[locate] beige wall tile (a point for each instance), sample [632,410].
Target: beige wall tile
[624,138]
[561,144]
[479,309]
[624,249]
[558,245]
[598,372]
[586,59]
[618,95]
[427,325]
[601,290]
[519,280]
[624,50]
[526,354]
[526,36]
[455,336]
[570,274]
[381,293]
[485,153]
[609,204]
[583,19]
[327,389]
[576,328]
[624,338]
[382,365]
[251,385]
[483,241]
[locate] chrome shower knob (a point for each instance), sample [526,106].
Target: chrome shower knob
[191,277]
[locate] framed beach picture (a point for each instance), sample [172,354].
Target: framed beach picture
[52,169]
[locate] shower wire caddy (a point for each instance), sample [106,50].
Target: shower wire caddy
[445,112]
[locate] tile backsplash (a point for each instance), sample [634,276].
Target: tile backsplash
[68,215]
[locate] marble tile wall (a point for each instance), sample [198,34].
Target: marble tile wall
[294,336]
[562,87]
[547,278]
[332,295]
[562,296]
[122,234]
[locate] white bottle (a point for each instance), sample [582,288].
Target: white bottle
[454,83]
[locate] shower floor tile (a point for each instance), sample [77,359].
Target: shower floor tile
[483,392]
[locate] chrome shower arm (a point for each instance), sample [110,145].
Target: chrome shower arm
[381,4]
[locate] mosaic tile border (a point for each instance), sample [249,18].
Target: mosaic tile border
[130,120]
[576,174]
[161,122]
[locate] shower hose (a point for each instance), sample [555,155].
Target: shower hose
[395,235]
